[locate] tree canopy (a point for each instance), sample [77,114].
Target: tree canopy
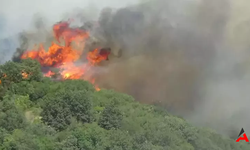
[37,113]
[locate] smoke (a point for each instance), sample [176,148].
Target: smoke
[179,55]
[187,56]
[168,50]
[225,97]
[17,16]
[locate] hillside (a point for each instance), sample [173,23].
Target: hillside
[40,114]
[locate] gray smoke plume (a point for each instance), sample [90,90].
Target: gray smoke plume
[17,19]
[169,48]
[181,55]
[177,55]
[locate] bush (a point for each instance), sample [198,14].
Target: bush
[111,117]
[76,117]
[11,117]
[60,108]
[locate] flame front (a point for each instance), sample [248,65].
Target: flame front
[64,57]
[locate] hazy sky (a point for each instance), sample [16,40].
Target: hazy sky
[18,13]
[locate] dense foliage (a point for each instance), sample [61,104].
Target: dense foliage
[37,113]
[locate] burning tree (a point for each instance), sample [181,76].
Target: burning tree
[68,57]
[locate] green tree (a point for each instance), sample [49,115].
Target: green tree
[91,137]
[57,114]
[33,69]
[70,143]
[10,72]
[111,117]
[120,140]
[40,89]
[39,113]
[11,117]
[19,140]
[64,105]
[27,70]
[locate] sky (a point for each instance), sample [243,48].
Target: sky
[18,14]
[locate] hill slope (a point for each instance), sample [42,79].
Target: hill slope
[38,113]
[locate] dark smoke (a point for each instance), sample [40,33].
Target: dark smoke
[172,53]
[176,56]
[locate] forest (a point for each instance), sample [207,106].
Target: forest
[37,113]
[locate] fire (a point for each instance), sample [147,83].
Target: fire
[25,75]
[49,74]
[64,57]
[62,30]
[96,86]
[71,71]
[97,56]
[56,55]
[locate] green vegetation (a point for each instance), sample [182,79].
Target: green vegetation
[37,113]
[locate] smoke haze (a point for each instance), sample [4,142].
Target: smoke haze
[188,56]
[17,16]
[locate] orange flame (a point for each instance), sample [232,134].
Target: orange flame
[25,75]
[49,74]
[95,57]
[64,57]
[55,56]
[96,86]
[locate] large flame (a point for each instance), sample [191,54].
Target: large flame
[64,57]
